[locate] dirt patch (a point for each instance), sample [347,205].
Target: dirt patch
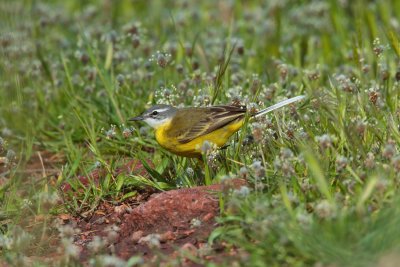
[158,226]
[44,163]
[167,223]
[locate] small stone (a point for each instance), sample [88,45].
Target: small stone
[136,236]
[207,217]
[100,220]
[169,235]
[187,232]
[151,240]
[121,209]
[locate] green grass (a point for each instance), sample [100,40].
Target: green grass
[323,175]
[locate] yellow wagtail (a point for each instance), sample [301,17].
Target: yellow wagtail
[182,131]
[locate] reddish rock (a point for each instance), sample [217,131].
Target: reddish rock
[163,222]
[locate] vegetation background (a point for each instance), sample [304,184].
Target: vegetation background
[323,175]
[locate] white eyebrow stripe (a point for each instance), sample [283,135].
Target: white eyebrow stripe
[161,110]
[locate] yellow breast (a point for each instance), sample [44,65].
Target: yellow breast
[192,148]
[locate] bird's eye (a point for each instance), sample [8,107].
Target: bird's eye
[155,112]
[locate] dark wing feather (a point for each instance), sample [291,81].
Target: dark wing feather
[195,122]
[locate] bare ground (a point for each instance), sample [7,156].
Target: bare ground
[158,226]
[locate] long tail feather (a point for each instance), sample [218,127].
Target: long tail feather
[279,105]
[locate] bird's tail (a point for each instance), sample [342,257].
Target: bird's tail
[279,105]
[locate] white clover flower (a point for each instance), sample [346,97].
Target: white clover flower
[111,133]
[243,191]
[70,250]
[194,223]
[341,162]
[324,141]
[325,210]
[389,151]
[190,172]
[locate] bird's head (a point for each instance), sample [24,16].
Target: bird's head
[157,115]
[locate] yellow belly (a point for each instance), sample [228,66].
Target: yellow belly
[193,148]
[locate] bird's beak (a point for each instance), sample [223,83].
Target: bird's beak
[138,118]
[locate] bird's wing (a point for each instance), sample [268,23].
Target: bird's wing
[190,123]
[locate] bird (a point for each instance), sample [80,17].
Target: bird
[182,131]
